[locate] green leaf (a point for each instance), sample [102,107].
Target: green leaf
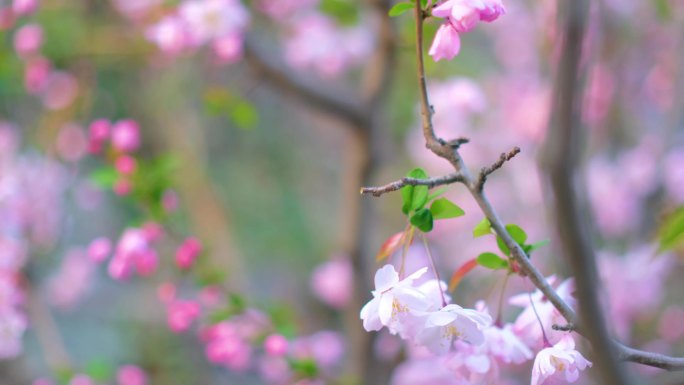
[414,197]
[244,115]
[492,261]
[671,232]
[423,220]
[530,248]
[104,177]
[443,209]
[345,12]
[400,8]
[482,228]
[502,246]
[99,370]
[305,367]
[517,233]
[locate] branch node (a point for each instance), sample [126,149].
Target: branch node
[563,328]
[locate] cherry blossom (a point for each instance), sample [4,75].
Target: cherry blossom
[450,322]
[332,282]
[561,358]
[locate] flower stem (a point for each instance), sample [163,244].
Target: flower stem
[434,268]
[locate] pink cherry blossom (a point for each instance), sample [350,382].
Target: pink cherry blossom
[99,249]
[60,90]
[133,253]
[332,282]
[36,74]
[170,201]
[275,345]
[71,142]
[28,40]
[325,347]
[562,358]
[187,252]
[446,44]
[72,281]
[285,9]
[228,49]
[212,296]
[169,34]
[451,322]
[126,135]
[98,133]
[181,314]
[81,379]
[227,347]
[131,375]
[136,9]
[206,20]
[122,186]
[24,7]
[393,300]
[125,164]
[166,292]
[12,327]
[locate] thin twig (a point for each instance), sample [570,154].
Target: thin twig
[564,328]
[406,181]
[486,171]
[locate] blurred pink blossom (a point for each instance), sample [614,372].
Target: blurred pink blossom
[99,249]
[126,135]
[227,347]
[169,34]
[60,90]
[125,164]
[187,252]
[275,345]
[671,325]
[170,201]
[212,19]
[36,74]
[13,325]
[81,379]
[131,375]
[71,142]
[72,281]
[24,7]
[181,314]
[166,292]
[284,9]
[136,9]
[28,40]
[332,282]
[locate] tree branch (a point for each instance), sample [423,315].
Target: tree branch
[406,181]
[345,106]
[486,171]
[442,149]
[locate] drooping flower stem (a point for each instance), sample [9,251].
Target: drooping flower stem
[434,269]
[499,311]
[547,344]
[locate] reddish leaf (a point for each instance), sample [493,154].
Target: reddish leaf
[390,246]
[461,272]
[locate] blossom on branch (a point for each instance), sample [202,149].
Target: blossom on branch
[560,358]
[461,16]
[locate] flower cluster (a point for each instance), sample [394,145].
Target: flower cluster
[460,16]
[31,190]
[195,23]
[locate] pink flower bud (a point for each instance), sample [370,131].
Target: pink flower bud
[152,231]
[28,40]
[99,249]
[211,296]
[126,135]
[120,268]
[188,252]
[125,164]
[275,345]
[131,375]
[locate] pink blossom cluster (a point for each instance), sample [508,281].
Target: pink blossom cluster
[220,24]
[463,345]
[56,88]
[333,282]
[125,375]
[31,191]
[124,139]
[135,253]
[460,16]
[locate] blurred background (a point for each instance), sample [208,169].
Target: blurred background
[257,145]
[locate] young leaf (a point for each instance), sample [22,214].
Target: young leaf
[502,246]
[414,197]
[492,261]
[423,220]
[518,234]
[104,177]
[482,228]
[390,246]
[461,272]
[535,246]
[671,232]
[399,9]
[443,209]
